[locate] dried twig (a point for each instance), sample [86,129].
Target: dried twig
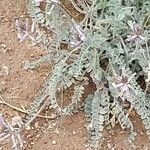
[77,8]
[2,101]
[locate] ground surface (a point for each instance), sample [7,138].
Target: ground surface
[18,87]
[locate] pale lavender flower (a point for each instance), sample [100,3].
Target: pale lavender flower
[25,31]
[12,132]
[38,2]
[2,123]
[78,36]
[1,120]
[123,84]
[136,33]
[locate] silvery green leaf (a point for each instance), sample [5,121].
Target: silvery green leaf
[148,132]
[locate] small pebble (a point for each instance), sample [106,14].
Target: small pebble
[56,131]
[74,132]
[3,45]
[32,143]
[36,125]
[86,146]
[54,142]
[37,136]
[109,146]
[141,132]
[29,136]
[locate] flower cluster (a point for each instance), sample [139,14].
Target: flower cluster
[25,32]
[122,83]
[136,33]
[78,36]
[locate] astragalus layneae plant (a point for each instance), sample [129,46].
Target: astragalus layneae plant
[110,45]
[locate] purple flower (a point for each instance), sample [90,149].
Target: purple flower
[78,36]
[38,2]
[12,132]
[136,33]
[25,32]
[123,84]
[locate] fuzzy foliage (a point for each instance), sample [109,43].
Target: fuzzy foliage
[111,46]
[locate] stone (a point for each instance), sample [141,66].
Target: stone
[3,45]
[56,131]
[54,142]
[74,132]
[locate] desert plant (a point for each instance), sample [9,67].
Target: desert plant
[12,130]
[110,46]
